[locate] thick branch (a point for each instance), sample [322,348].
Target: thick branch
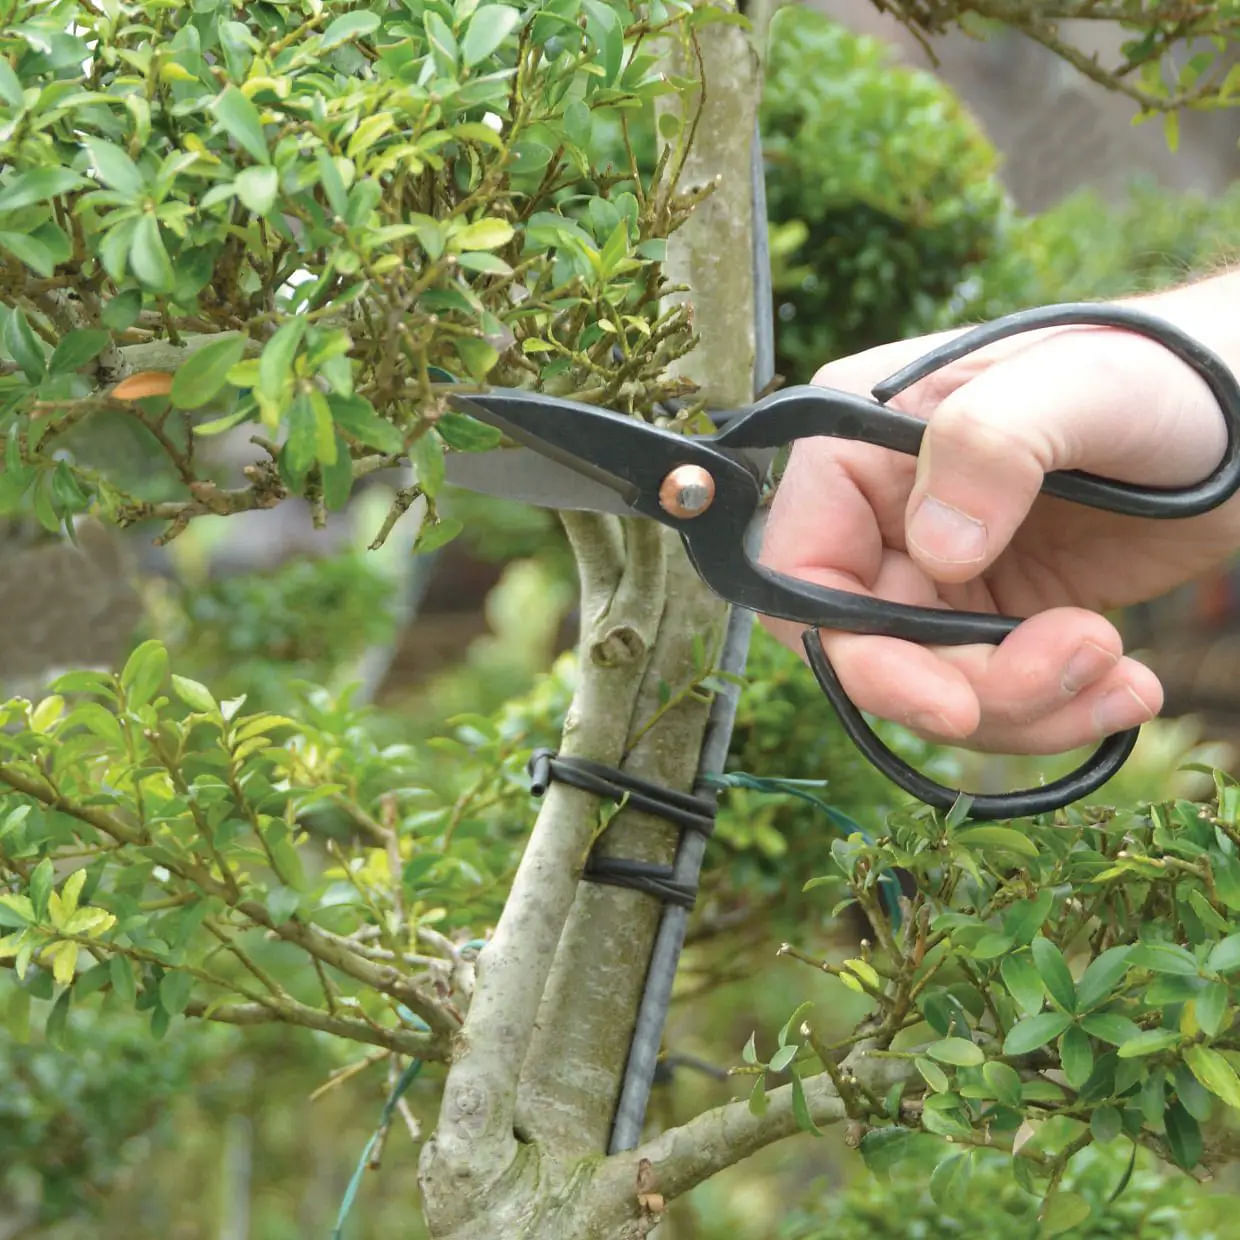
[475,1142]
[685,1156]
[406,1041]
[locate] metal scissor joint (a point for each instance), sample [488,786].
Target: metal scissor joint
[708,488]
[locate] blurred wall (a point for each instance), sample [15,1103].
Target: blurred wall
[1056,130]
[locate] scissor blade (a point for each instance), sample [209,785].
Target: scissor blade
[574,436]
[523,475]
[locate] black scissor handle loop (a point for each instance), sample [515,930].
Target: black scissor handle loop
[1084,488]
[1125,498]
[1104,762]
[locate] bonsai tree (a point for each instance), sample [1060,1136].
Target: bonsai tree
[302,220]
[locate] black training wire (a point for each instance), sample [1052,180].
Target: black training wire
[690,813]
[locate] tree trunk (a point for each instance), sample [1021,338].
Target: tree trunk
[529,1098]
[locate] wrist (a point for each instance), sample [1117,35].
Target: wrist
[1208,310]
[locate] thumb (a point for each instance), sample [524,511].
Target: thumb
[1100,400]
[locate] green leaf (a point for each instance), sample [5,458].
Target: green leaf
[122,311]
[1053,970]
[225,422]
[324,427]
[1004,1082]
[203,374]
[275,368]
[174,992]
[1023,983]
[426,457]
[114,168]
[148,259]
[24,346]
[349,26]
[783,1057]
[882,1148]
[1194,1097]
[432,537]
[466,434]
[1035,1031]
[800,1109]
[281,903]
[1026,917]
[1224,956]
[1076,1056]
[37,185]
[1110,1027]
[240,120]
[1106,1123]
[298,455]
[442,42]
[749,1052]
[338,476]
[196,696]
[29,250]
[1215,1073]
[959,810]
[757,1097]
[1183,1136]
[1001,839]
[490,264]
[949,1179]
[958,1051]
[1101,977]
[932,1074]
[16,910]
[1149,1042]
[794,1021]
[488,234]
[10,86]
[257,188]
[64,962]
[144,673]
[488,28]
[76,348]
[1163,958]
[356,416]
[1210,1007]
[57,1018]
[1171,130]
[478,356]
[42,880]
[1061,1212]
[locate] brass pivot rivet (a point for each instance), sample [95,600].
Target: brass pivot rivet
[688,491]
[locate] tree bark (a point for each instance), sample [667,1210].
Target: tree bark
[529,1097]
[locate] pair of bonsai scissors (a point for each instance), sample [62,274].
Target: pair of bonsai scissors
[709,488]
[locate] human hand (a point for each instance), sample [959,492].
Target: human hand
[963,526]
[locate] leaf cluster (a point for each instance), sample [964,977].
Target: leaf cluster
[307,216]
[1051,984]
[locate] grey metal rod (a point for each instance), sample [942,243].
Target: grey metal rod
[669,939]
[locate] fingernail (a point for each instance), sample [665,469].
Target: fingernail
[1120,709]
[945,533]
[1086,665]
[931,721]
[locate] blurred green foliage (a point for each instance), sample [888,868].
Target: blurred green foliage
[987,1204]
[308,619]
[882,193]
[888,219]
[1087,249]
